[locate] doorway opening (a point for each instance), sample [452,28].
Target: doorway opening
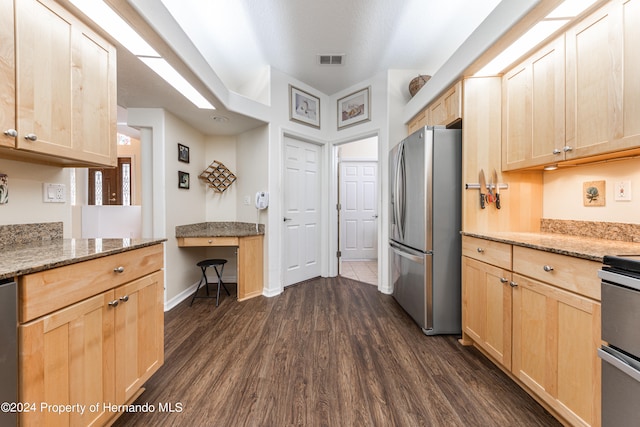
[358,193]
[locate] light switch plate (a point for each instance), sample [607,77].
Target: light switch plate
[54,193]
[622,191]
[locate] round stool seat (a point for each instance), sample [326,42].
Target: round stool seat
[211,262]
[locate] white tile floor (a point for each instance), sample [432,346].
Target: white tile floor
[363,271]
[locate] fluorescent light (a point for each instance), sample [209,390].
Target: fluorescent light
[528,41]
[100,13]
[114,25]
[171,76]
[570,9]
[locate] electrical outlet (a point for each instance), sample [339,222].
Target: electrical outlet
[622,191]
[54,193]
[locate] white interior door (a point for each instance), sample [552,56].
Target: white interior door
[301,211]
[359,216]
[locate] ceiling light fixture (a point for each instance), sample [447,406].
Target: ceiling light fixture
[551,23]
[105,17]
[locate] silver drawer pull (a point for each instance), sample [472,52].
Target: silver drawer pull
[480,250]
[119,269]
[113,303]
[31,137]
[124,298]
[547,268]
[11,132]
[513,284]
[503,280]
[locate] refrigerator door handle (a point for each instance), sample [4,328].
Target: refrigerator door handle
[401,187]
[404,253]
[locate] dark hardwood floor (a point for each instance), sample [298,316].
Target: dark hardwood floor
[328,352]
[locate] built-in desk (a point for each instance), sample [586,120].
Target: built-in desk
[231,234]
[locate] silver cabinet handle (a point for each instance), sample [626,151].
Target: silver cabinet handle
[567,148]
[118,269]
[31,137]
[11,132]
[503,280]
[124,298]
[513,284]
[557,151]
[113,303]
[547,268]
[480,250]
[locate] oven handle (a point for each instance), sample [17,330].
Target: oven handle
[620,361]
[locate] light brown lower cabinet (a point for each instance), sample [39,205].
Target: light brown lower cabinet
[92,355]
[544,335]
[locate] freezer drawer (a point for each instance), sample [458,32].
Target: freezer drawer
[411,278]
[621,316]
[620,389]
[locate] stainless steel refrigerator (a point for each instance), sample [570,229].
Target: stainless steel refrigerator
[425,218]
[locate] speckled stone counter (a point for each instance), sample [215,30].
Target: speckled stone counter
[577,246]
[219,229]
[20,259]
[17,234]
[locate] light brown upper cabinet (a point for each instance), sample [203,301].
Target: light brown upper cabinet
[603,91]
[579,97]
[533,110]
[444,111]
[7,76]
[65,89]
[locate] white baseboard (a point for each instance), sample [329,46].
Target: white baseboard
[187,293]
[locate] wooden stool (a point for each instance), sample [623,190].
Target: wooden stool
[215,263]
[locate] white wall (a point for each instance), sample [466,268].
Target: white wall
[562,192]
[221,206]
[25,204]
[363,149]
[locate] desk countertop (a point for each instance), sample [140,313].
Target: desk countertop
[219,229]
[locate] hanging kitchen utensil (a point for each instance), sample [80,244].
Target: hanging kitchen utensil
[497,196]
[483,187]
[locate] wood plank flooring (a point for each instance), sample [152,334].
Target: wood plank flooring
[328,352]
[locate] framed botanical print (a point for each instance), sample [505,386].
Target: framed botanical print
[303,107]
[354,108]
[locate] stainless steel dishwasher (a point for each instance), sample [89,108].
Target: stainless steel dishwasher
[8,352]
[620,329]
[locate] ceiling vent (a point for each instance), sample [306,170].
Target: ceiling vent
[331,59]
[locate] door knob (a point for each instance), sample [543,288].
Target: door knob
[375,216]
[287,219]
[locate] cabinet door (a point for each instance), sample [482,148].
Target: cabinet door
[67,358]
[533,109]
[65,79]
[556,335]
[486,308]
[448,108]
[593,84]
[7,75]
[630,10]
[139,333]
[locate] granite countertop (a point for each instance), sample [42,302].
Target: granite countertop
[219,229]
[577,246]
[20,259]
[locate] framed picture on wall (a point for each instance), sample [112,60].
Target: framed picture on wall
[354,108]
[303,107]
[183,180]
[183,153]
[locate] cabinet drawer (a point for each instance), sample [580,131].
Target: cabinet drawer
[208,241]
[494,253]
[573,274]
[49,290]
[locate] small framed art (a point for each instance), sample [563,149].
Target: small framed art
[354,108]
[183,180]
[303,107]
[183,153]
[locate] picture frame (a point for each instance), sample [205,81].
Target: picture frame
[303,107]
[183,153]
[183,180]
[354,108]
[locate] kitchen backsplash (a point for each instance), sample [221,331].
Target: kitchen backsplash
[602,230]
[17,234]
